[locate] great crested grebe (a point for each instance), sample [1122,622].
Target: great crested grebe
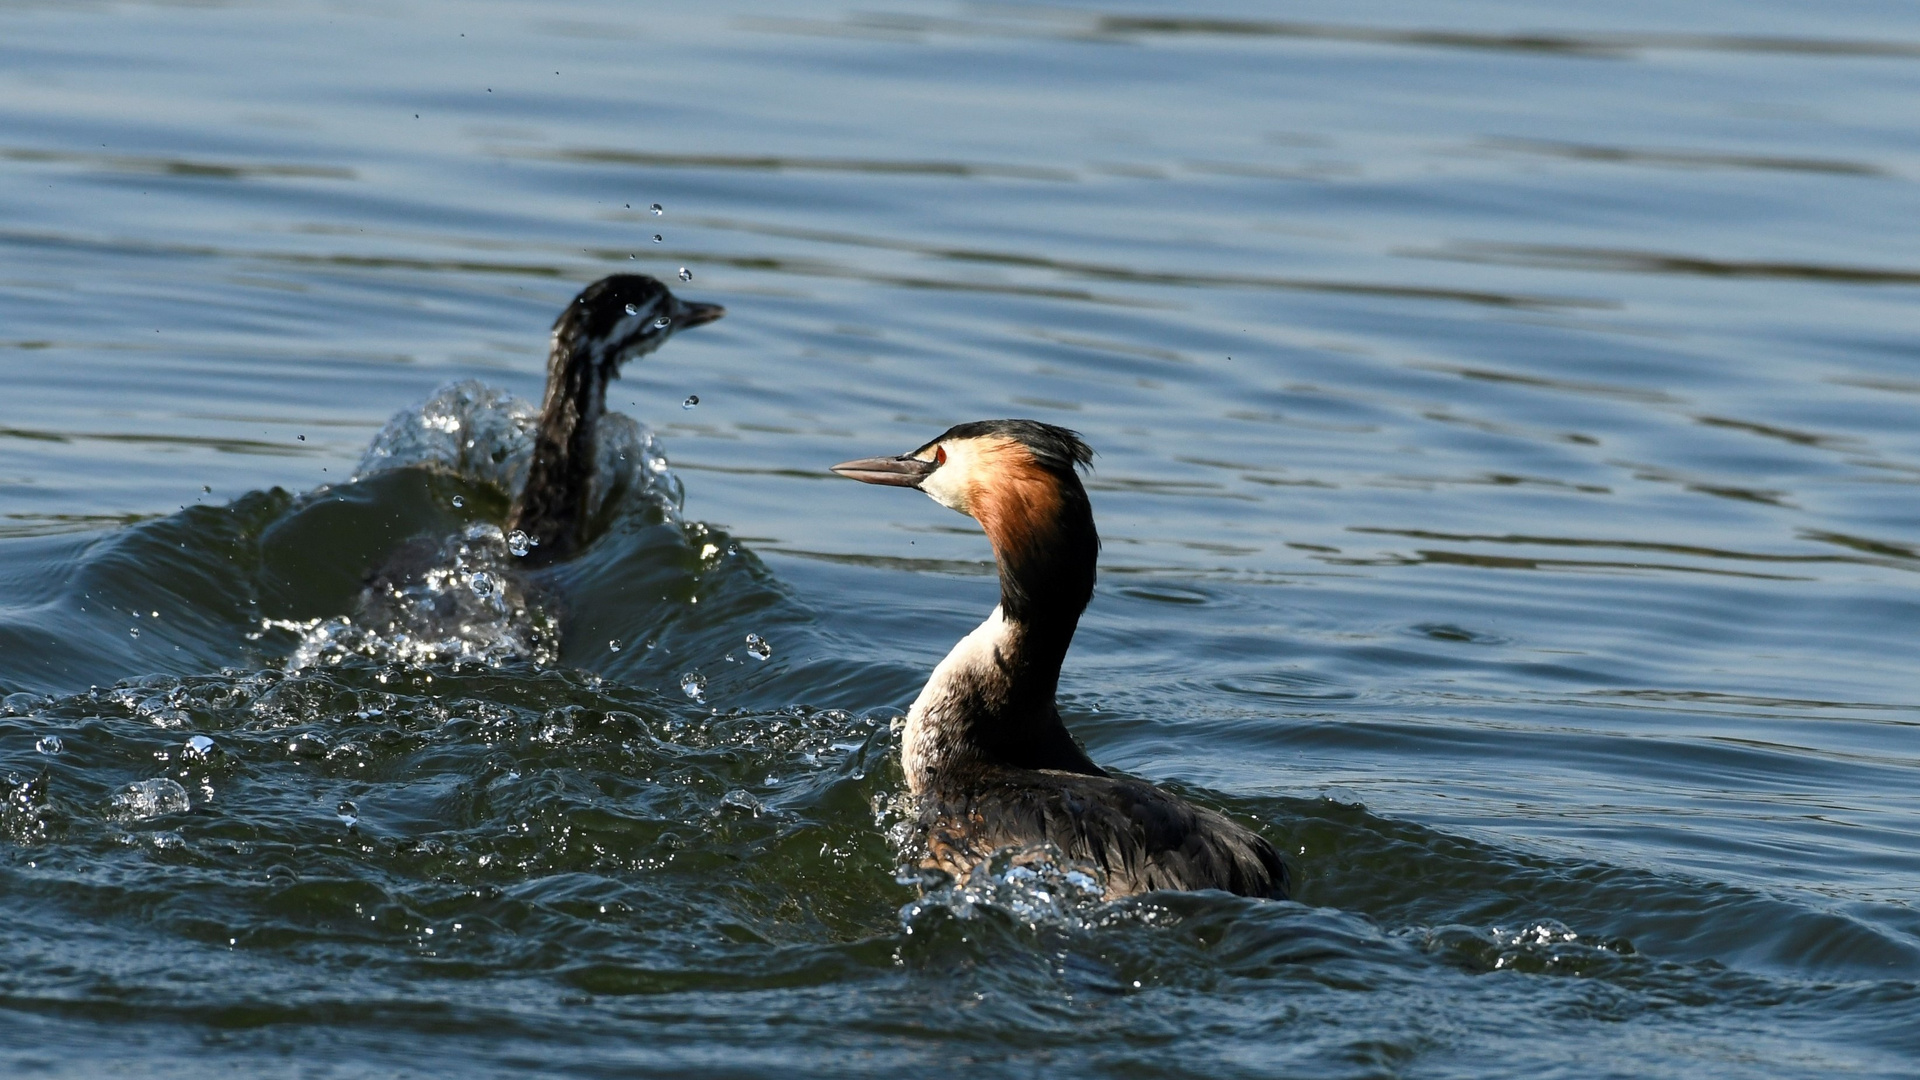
[612,321]
[986,755]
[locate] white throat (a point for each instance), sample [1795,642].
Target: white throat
[932,723]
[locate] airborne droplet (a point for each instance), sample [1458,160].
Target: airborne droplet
[520,543]
[49,744]
[694,685]
[613,645]
[692,400]
[349,813]
[658,239]
[459,501]
[758,646]
[633,309]
[662,323]
[686,274]
[657,209]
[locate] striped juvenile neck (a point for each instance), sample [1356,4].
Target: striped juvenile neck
[552,507]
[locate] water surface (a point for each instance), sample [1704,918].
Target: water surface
[1507,477]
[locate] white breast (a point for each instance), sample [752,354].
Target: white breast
[929,734]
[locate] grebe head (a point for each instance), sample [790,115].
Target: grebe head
[1019,480]
[625,317]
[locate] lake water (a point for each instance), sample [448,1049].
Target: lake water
[1507,475]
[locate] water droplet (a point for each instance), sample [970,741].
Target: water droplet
[633,309]
[657,209]
[135,631]
[208,488]
[482,584]
[630,258]
[729,659]
[459,501]
[302,438]
[692,400]
[662,323]
[686,274]
[613,645]
[694,685]
[520,543]
[49,744]
[758,646]
[199,748]
[349,813]
[658,239]
[152,798]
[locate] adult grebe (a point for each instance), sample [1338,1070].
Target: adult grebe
[985,752]
[612,321]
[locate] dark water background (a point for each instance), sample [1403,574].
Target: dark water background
[1507,475]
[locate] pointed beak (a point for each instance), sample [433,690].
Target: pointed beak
[692,314]
[891,471]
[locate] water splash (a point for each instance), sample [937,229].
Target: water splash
[151,799]
[757,647]
[694,685]
[1036,885]
[456,603]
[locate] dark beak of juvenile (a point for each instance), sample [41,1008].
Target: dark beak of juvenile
[891,471]
[692,314]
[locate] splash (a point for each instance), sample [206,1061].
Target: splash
[485,435]
[1036,885]
[455,603]
[463,599]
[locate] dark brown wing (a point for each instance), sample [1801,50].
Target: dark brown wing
[1142,837]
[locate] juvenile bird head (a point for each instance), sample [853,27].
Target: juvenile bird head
[622,318]
[1019,480]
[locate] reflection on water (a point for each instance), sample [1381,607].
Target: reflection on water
[1506,470]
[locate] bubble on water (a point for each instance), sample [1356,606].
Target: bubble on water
[694,685]
[151,798]
[348,813]
[658,239]
[633,309]
[520,543]
[49,744]
[613,644]
[662,323]
[758,646]
[657,209]
[692,400]
[199,748]
[482,584]
[459,501]
[686,274]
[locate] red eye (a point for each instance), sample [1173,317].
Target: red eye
[939,455]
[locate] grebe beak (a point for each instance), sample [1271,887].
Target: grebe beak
[890,471]
[692,314]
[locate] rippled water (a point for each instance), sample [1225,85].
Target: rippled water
[1507,474]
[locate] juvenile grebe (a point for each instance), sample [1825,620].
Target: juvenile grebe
[985,752]
[612,321]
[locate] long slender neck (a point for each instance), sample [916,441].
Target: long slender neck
[991,701]
[552,508]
